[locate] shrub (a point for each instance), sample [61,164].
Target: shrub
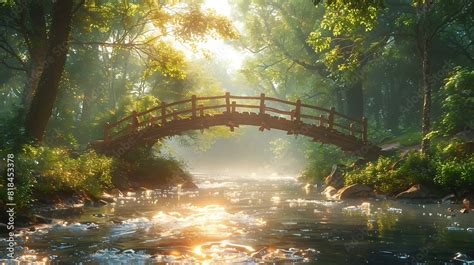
[322,158]
[143,166]
[456,175]
[379,175]
[416,168]
[458,101]
[55,170]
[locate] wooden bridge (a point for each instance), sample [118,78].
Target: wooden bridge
[198,113]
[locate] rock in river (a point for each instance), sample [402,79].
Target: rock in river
[354,191]
[189,185]
[329,191]
[417,191]
[336,178]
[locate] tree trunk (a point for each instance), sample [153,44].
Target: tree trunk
[43,100]
[37,48]
[426,123]
[355,100]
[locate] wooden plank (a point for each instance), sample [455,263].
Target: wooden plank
[210,97]
[332,112]
[281,101]
[201,110]
[247,106]
[179,102]
[262,104]
[227,102]
[314,107]
[284,112]
[193,106]
[298,111]
[244,97]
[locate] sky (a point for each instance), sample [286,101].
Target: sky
[219,48]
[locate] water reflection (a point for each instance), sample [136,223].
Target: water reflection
[250,221]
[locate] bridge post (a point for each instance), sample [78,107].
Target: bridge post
[227,102]
[234,106]
[262,104]
[106,132]
[364,129]
[175,116]
[163,113]
[193,106]
[332,112]
[201,110]
[321,120]
[298,111]
[352,129]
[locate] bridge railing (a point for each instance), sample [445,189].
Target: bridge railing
[198,107]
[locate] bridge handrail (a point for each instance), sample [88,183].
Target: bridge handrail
[295,114]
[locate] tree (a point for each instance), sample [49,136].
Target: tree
[128,42]
[45,95]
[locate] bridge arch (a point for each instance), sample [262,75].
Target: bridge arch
[198,113]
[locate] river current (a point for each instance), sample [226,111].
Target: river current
[251,220]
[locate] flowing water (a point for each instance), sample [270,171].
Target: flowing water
[243,220]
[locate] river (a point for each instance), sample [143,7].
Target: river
[247,220]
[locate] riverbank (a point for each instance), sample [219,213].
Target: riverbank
[65,180]
[445,172]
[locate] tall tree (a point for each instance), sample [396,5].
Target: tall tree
[45,95]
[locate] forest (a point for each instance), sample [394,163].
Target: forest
[69,67]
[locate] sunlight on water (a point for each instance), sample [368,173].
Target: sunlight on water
[211,220]
[241,221]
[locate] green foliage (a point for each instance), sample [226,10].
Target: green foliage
[321,159]
[388,175]
[458,102]
[408,138]
[376,174]
[449,167]
[455,174]
[146,168]
[56,170]
[454,165]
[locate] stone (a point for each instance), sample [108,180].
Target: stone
[416,191]
[189,185]
[466,204]
[336,177]
[329,191]
[106,197]
[354,191]
[38,219]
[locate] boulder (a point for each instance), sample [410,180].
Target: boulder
[95,202]
[106,197]
[329,191]
[354,191]
[336,177]
[39,219]
[417,191]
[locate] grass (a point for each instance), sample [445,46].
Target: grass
[409,138]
